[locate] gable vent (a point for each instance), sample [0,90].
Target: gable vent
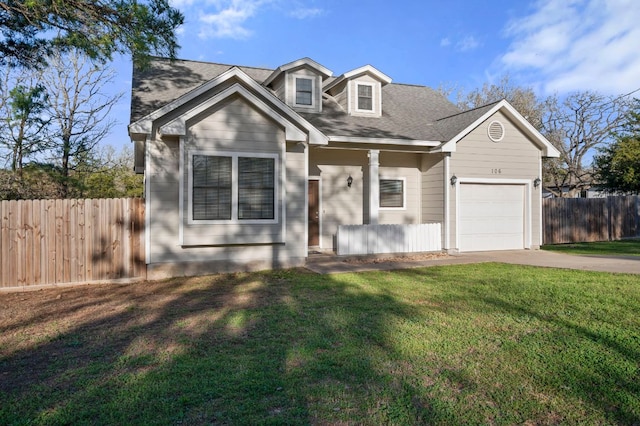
[496,131]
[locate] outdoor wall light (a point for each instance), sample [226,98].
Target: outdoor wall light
[537,182]
[349,181]
[454,179]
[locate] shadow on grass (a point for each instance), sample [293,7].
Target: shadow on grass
[281,347]
[630,247]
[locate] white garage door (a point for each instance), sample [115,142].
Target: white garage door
[491,217]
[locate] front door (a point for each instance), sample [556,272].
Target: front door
[314,213]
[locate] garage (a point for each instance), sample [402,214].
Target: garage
[491,217]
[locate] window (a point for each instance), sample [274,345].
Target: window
[256,188]
[392,193]
[365,97]
[233,187]
[211,188]
[304,91]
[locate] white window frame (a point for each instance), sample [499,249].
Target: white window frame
[374,105]
[404,192]
[295,91]
[234,187]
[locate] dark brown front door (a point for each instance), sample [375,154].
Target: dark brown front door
[314,212]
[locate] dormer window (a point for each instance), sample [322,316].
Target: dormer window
[365,97]
[304,91]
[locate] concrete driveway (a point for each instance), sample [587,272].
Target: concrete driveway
[621,264]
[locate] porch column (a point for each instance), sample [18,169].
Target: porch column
[374,186]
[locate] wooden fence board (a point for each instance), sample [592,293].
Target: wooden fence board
[570,220]
[66,241]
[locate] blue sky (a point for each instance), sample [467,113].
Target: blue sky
[553,46]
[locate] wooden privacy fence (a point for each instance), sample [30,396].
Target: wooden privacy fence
[66,241]
[573,220]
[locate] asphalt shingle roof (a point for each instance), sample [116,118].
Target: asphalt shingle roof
[408,111]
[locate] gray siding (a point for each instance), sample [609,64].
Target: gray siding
[340,205]
[237,127]
[399,165]
[432,188]
[515,157]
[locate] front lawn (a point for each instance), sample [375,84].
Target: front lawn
[602,248]
[467,344]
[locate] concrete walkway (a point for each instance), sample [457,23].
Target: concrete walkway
[331,264]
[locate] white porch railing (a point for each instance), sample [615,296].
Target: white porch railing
[375,239]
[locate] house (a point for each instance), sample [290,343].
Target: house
[249,168]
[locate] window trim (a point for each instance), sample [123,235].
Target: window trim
[234,187]
[404,192]
[374,108]
[295,91]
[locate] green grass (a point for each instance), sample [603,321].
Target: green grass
[468,344]
[603,248]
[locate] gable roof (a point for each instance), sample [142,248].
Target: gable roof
[367,69]
[459,125]
[285,115]
[407,109]
[324,72]
[410,113]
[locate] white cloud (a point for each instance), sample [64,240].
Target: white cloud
[304,13]
[228,20]
[462,45]
[578,45]
[467,43]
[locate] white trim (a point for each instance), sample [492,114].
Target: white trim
[178,125]
[278,199]
[367,69]
[144,125]
[447,201]
[539,197]
[319,210]
[502,132]
[181,170]
[384,141]
[374,103]
[374,186]
[294,102]
[404,193]
[324,72]
[147,202]
[528,183]
[548,149]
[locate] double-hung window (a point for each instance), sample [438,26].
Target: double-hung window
[392,193]
[233,187]
[365,97]
[304,91]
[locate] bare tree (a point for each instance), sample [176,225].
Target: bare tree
[79,108]
[577,126]
[523,99]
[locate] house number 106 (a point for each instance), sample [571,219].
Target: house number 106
[496,171]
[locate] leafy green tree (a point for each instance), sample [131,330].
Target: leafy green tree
[33,29]
[618,165]
[108,174]
[24,125]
